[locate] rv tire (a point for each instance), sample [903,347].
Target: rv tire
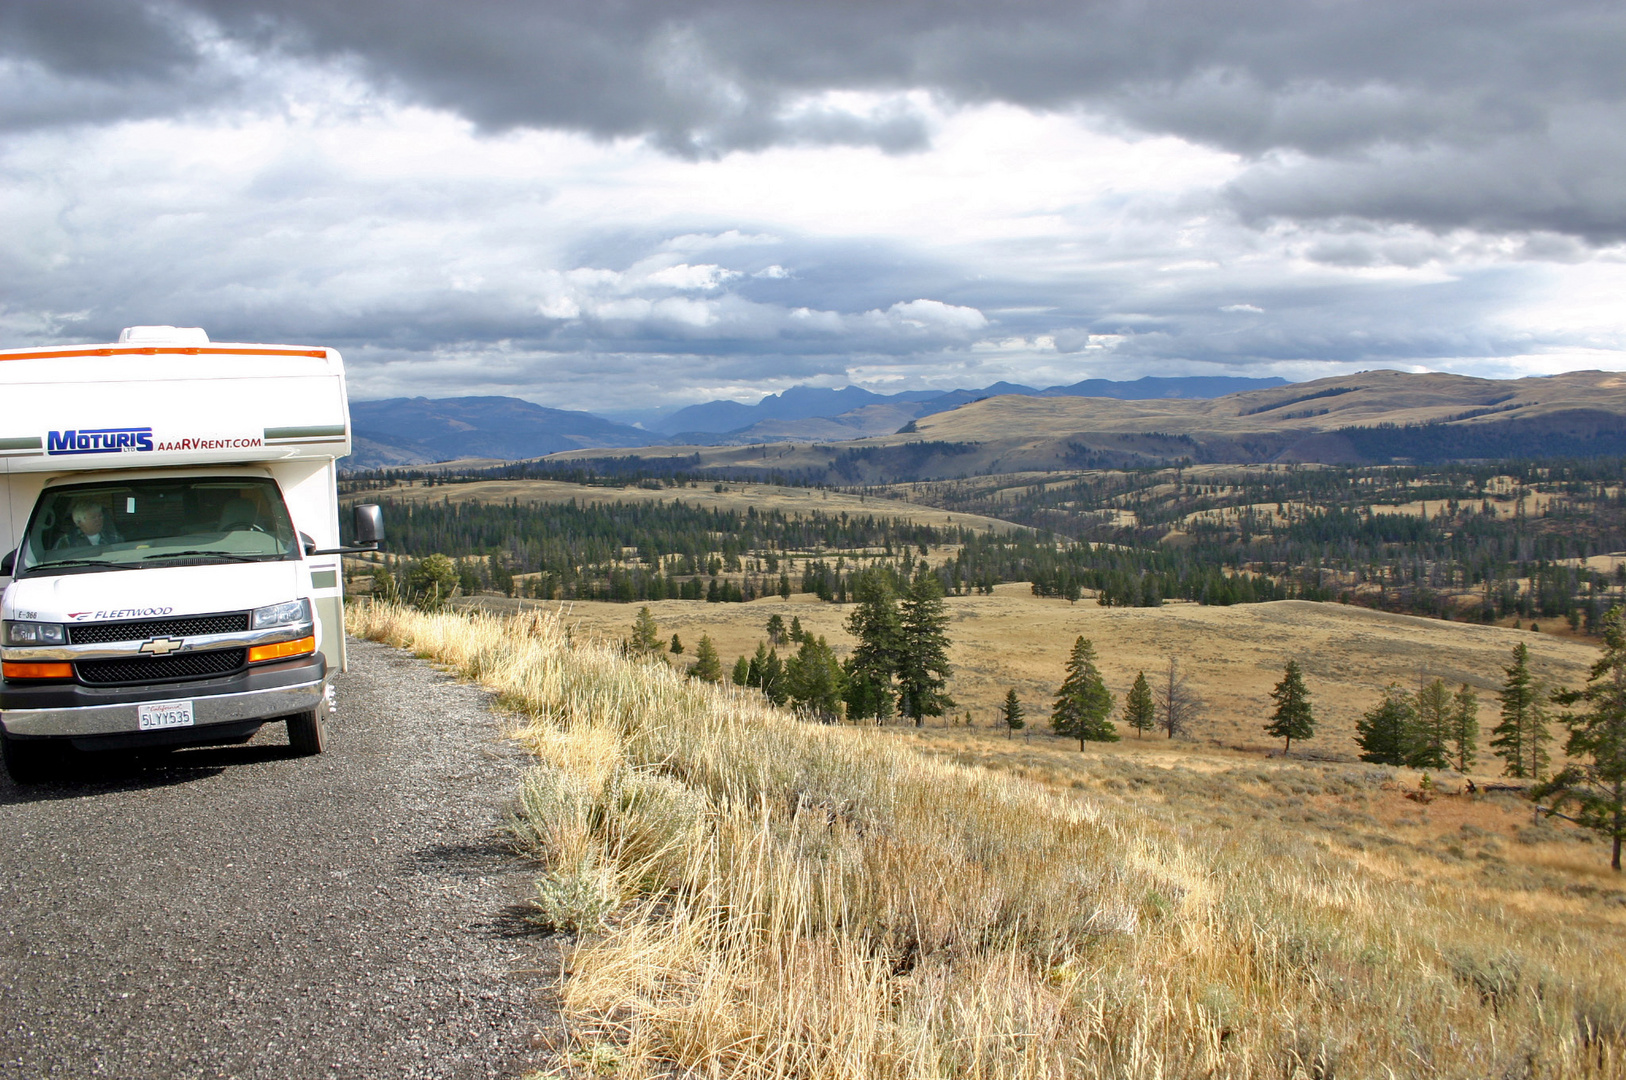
[306,733]
[27,762]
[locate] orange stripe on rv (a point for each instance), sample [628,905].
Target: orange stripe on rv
[153,350]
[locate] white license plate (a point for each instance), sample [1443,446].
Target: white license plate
[164,714]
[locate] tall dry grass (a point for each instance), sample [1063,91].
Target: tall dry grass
[755,896]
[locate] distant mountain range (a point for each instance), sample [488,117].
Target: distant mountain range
[1374,417]
[416,431]
[859,413]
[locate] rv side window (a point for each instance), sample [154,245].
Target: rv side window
[120,525]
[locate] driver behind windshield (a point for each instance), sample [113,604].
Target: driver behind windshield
[90,527]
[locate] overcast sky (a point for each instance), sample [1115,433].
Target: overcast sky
[653,202]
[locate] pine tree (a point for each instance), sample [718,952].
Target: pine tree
[773,678]
[1521,738]
[1083,706]
[1293,718]
[796,632]
[676,646]
[1013,713]
[776,629]
[707,667]
[1386,731]
[813,679]
[753,676]
[431,581]
[646,637]
[1464,727]
[923,664]
[875,659]
[1432,743]
[742,671]
[1594,781]
[1140,712]
[784,586]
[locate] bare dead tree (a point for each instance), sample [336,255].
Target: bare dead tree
[1178,705]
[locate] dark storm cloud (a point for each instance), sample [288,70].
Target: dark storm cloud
[1483,113]
[73,61]
[100,39]
[1497,114]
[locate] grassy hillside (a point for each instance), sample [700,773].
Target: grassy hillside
[749,895]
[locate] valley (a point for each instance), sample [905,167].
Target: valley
[623,605]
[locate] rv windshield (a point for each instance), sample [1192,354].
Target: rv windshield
[126,524]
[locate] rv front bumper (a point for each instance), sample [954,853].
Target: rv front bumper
[71,711]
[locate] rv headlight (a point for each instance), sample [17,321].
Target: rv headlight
[36,633]
[291,613]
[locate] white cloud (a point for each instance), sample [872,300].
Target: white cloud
[932,317]
[684,276]
[1035,247]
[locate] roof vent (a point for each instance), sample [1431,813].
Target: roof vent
[163,335]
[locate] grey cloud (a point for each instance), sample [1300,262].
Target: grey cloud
[105,40]
[96,61]
[1567,177]
[1490,114]
[1494,114]
[439,286]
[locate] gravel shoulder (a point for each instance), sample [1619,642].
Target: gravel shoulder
[237,912]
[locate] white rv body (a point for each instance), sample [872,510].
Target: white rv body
[167,411]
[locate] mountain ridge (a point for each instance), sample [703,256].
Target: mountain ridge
[419,430]
[1375,417]
[736,419]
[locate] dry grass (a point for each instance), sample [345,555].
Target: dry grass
[1234,655]
[760,897]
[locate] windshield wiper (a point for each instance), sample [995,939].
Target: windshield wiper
[71,562]
[233,556]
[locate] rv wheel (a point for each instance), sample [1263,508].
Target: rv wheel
[306,734]
[27,762]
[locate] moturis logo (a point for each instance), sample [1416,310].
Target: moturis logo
[99,441]
[138,440]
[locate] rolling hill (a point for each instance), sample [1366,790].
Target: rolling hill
[1371,417]
[813,413]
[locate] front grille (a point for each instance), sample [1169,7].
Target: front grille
[161,669]
[232,622]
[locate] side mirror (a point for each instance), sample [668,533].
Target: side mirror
[369,530]
[306,543]
[8,563]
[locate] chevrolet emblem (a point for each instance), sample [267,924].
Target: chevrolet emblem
[162,646]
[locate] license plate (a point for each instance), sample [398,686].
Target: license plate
[164,714]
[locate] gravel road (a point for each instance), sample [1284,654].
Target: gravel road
[236,912]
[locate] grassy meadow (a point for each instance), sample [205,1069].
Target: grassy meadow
[745,894]
[1232,655]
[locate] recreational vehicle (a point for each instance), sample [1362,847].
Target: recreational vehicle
[170,523]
